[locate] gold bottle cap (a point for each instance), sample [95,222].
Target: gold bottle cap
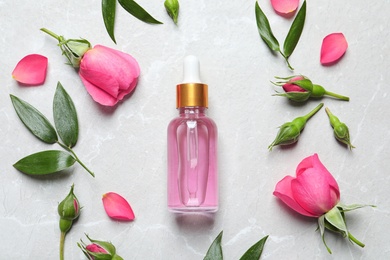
[192,95]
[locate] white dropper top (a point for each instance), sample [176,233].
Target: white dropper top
[191,71]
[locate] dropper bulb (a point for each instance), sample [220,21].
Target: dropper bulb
[191,71]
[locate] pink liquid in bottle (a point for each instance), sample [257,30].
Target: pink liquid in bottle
[192,148]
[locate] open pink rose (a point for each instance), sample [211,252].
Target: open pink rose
[313,192]
[108,74]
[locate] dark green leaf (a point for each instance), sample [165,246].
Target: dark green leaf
[65,117]
[137,11]
[45,162]
[34,120]
[108,11]
[215,250]
[254,252]
[295,32]
[265,29]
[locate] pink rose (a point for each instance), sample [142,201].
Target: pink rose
[313,192]
[291,87]
[94,248]
[108,74]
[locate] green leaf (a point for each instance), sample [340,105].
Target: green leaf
[215,250]
[108,11]
[35,121]
[265,29]
[295,32]
[137,11]
[254,252]
[45,162]
[65,117]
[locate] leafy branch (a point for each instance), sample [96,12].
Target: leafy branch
[66,127]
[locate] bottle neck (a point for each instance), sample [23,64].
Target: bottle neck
[192,111]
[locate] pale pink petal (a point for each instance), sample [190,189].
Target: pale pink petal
[283,192]
[285,7]
[31,70]
[333,48]
[117,207]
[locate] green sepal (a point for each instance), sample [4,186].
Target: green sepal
[288,134]
[264,29]
[336,219]
[295,96]
[295,32]
[306,84]
[34,120]
[137,11]
[346,208]
[109,13]
[109,247]
[65,117]
[255,251]
[321,226]
[45,162]
[215,249]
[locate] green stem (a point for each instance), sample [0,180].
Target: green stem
[52,34]
[62,242]
[353,239]
[286,58]
[76,158]
[313,112]
[336,95]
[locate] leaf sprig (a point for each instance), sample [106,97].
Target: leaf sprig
[109,13]
[292,37]
[253,253]
[66,128]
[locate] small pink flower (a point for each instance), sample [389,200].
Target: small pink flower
[94,248]
[313,192]
[285,7]
[333,48]
[291,87]
[117,207]
[108,74]
[31,70]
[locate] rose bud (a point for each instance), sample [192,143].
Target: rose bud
[69,210]
[107,74]
[340,130]
[289,132]
[172,7]
[99,250]
[315,193]
[300,88]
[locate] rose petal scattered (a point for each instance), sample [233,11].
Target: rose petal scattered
[31,70]
[117,207]
[285,8]
[333,48]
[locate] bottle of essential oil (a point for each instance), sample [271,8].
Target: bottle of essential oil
[192,147]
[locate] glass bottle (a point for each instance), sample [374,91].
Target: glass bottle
[192,147]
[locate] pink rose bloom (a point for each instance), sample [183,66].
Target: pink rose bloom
[94,248]
[291,87]
[108,74]
[313,192]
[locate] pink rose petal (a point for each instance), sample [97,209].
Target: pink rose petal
[333,48]
[285,7]
[117,207]
[31,70]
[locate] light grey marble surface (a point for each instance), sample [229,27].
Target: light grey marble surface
[126,145]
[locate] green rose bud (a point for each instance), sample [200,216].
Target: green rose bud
[69,210]
[300,88]
[340,130]
[99,250]
[73,49]
[289,132]
[172,7]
